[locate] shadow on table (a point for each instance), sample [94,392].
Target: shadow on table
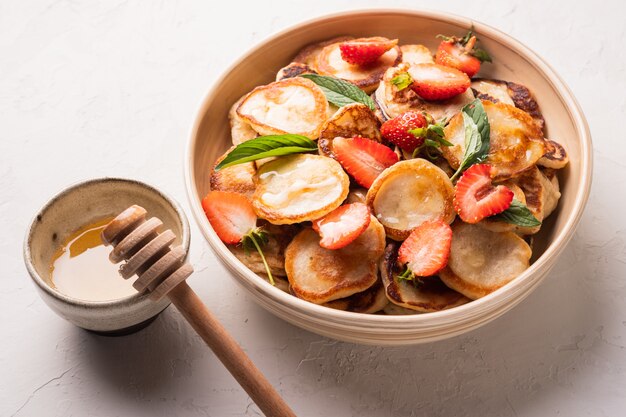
[502,369]
[147,363]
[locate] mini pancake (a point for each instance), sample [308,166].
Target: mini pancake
[516,143]
[297,188]
[555,156]
[357,195]
[482,261]
[495,91]
[240,130]
[518,95]
[237,178]
[352,120]
[329,62]
[321,275]
[274,251]
[539,193]
[369,301]
[416,54]
[491,223]
[393,102]
[273,255]
[308,55]
[395,310]
[426,296]
[408,193]
[293,70]
[280,282]
[294,105]
[552,194]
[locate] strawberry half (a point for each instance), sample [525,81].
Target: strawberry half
[234,220]
[365,51]
[343,225]
[230,214]
[475,197]
[396,130]
[363,158]
[460,53]
[427,249]
[437,82]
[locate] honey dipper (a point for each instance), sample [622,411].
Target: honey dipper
[162,270]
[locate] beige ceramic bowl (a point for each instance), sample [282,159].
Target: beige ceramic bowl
[81,204]
[566,124]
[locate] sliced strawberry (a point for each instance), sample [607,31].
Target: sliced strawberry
[365,51]
[343,225]
[475,197]
[396,130]
[460,53]
[437,82]
[363,158]
[230,214]
[452,54]
[427,249]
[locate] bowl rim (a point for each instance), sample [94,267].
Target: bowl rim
[241,272]
[106,304]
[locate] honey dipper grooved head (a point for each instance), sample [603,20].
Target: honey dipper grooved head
[147,252]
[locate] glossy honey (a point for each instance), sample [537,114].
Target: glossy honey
[81,268]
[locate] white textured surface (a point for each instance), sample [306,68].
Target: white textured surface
[86,85]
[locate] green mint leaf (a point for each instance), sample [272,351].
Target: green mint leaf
[477,133]
[518,214]
[481,54]
[406,275]
[477,112]
[402,80]
[467,36]
[255,239]
[340,92]
[265,147]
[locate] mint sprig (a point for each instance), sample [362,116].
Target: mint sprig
[402,80]
[266,147]
[340,92]
[477,133]
[254,239]
[481,55]
[434,139]
[518,214]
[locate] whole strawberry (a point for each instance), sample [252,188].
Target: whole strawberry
[397,130]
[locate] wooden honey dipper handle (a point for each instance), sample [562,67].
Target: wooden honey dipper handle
[162,270]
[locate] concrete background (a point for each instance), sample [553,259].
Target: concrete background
[86,85]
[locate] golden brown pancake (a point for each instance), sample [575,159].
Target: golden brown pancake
[416,54]
[369,301]
[329,62]
[498,91]
[352,120]
[408,193]
[516,143]
[237,178]
[481,261]
[298,188]
[293,105]
[426,295]
[240,130]
[393,102]
[555,156]
[321,275]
